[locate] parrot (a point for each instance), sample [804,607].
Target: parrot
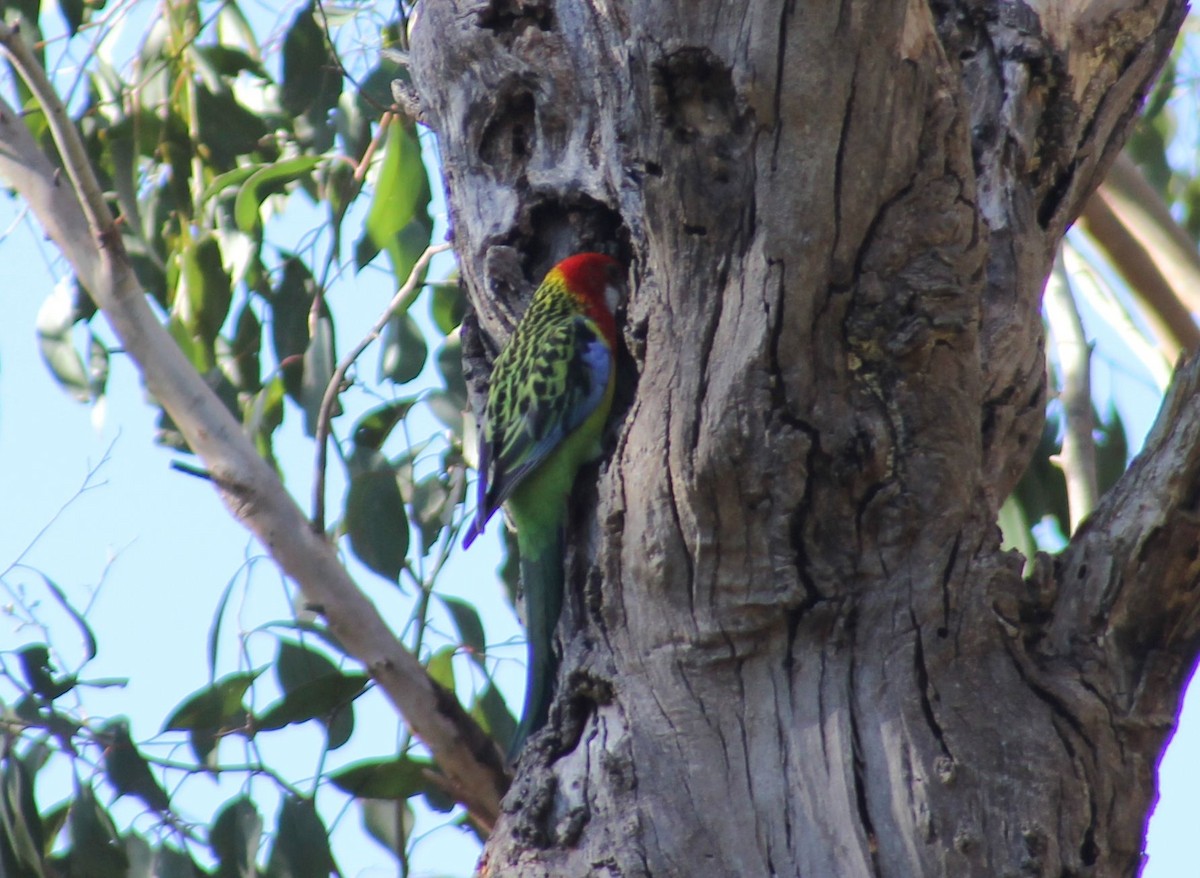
[547,404]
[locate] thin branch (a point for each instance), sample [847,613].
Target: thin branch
[77,219]
[89,483]
[402,298]
[360,169]
[1078,456]
[190,768]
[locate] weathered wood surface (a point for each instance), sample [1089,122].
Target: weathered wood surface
[793,646]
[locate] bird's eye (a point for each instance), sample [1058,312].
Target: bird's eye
[612,296]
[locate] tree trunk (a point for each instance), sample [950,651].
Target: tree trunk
[792,644]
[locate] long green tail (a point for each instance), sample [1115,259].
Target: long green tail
[542,580]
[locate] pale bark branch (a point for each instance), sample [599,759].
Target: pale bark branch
[88,238]
[1078,456]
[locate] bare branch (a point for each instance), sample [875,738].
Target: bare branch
[247,485]
[1129,220]
[402,298]
[1078,456]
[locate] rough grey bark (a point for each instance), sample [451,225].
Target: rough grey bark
[792,644]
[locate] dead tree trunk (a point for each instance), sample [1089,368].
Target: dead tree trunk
[792,644]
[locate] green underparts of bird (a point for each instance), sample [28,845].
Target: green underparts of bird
[549,398]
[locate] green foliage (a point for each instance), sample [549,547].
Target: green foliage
[235,838]
[376,521]
[203,142]
[301,848]
[127,769]
[212,713]
[1164,119]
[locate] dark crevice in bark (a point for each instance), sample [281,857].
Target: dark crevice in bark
[793,626]
[694,97]
[714,725]
[781,741]
[507,18]
[821,706]
[878,221]
[947,579]
[1057,708]
[798,521]
[924,687]
[1112,721]
[587,691]
[798,517]
[510,137]
[674,504]
[708,332]
[861,509]
[779,91]
[859,764]
[1087,845]
[1049,207]
[839,158]
[1088,850]
[556,224]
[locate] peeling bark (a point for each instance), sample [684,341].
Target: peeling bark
[792,644]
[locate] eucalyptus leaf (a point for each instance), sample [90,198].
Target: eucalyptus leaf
[376,523]
[403,351]
[301,848]
[235,837]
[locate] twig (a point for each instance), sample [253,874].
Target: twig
[1078,456]
[360,170]
[89,483]
[191,470]
[325,413]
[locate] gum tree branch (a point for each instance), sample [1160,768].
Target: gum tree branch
[77,218]
[1078,456]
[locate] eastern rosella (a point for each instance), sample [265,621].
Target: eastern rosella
[550,394]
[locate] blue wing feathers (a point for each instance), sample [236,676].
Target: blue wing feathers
[482,512]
